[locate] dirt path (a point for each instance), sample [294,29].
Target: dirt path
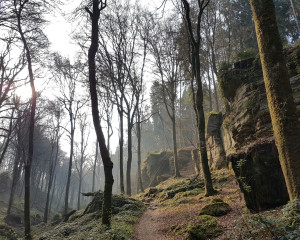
[151,224]
[159,219]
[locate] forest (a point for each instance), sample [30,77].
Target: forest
[149,120]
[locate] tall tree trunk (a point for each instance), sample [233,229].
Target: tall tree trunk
[139,154]
[283,110]
[198,99]
[214,72]
[27,165]
[7,137]
[94,169]
[79,188]
[72,198]
[52,195]
[209,83]
[216,91]
[108,165]
[16,176]
[122,188]
[51,173]
[295,16]
[129,160]
[209,190]
[175,153]
[209,90]
[70,168]
[49,188]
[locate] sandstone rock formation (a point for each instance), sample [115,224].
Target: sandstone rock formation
[247,131]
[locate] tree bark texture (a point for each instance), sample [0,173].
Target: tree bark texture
[281,104]
[195,41]
[94,169]
[108,165]
[129,160]
[139,154]
[70,168]
[28,162]
[122,188]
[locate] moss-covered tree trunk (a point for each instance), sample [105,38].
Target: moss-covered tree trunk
[209,190]
[98,6]
[283,110]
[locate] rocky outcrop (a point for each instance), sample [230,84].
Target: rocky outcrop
[214,142]
[247,131]
[158,167]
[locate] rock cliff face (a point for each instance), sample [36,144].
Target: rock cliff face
[158,167]
[215,148]
[241,137]
[247,131]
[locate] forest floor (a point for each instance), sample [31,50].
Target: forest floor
[166,217]
[174,210]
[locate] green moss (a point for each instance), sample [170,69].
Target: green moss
[245,54]
[177,229]
[227,123]
[217,200]
[218,208]
[7,233]
[126,212]
[224,66]
[203,227]
[293,57]
[185,187]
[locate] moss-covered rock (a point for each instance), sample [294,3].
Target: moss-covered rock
[185,186]
[57,218]
[7,233]
[203,227]
[151,192]
[13,219]
[216,208]
[87,224]
[260,176]
[155,165]
[247,131]
[119,203]
[214,142]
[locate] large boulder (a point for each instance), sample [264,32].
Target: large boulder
[155,166]
[159,166]
[119,203]
[260,176]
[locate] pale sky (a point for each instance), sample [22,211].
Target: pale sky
[59,32]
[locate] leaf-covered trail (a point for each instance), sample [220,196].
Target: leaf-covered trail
[151,224]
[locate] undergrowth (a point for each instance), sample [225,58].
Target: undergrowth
[276,224]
